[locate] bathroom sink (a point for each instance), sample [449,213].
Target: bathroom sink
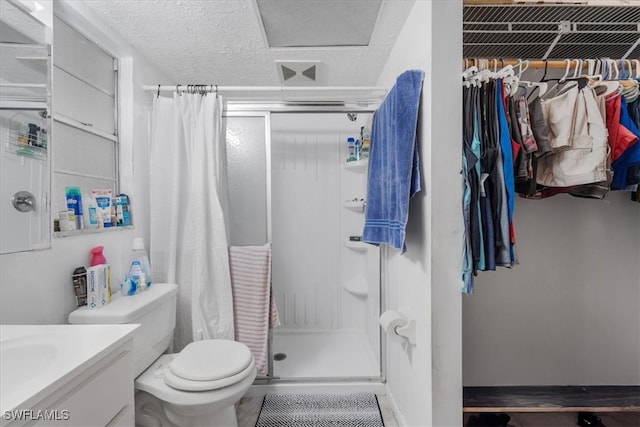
[37,360]
[23,359]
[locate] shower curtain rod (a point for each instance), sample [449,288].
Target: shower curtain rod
[277,89]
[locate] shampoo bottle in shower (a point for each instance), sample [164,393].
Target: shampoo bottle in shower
[351,149]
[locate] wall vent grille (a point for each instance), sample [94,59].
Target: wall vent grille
[299,73]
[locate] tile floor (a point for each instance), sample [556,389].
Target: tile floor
[249,409]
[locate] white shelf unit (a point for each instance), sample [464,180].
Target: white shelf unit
[356,245]
[356,204]
[357,165]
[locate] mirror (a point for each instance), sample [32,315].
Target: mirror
[25,123]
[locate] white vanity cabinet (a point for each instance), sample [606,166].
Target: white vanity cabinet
[102,395]
[89,381]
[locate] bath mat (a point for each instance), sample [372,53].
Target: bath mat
[319,410]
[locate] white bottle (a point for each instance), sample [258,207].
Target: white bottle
[351,149]
[139,271]
[90,209]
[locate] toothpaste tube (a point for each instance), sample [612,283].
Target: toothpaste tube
[103,203]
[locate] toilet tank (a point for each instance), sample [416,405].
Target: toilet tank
[153,309]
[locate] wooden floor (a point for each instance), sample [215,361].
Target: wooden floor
[552,399]
[566,419]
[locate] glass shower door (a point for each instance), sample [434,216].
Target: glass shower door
[290,184]
[326,282]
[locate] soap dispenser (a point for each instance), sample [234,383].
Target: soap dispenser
[139,270]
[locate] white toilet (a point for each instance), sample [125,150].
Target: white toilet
[198,386]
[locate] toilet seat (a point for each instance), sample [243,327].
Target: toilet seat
[209,365]
[152,381]
[179,383]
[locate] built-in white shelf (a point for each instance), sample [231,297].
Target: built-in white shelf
[355,204]
[91,231]
[357,165]
[357,286]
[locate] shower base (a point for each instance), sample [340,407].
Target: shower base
[323,354]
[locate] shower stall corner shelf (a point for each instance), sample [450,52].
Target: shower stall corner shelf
[357,286]
[356,245]
[356,166]
[354,205]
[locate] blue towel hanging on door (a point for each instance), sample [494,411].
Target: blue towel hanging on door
[394,163]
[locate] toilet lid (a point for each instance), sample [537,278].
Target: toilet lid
[211,360]
[179,383]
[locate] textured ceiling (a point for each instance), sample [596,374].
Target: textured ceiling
[223,42]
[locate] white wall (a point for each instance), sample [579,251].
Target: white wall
[424,381]
[569,313]
[35,287]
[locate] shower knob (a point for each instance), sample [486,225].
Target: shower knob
[23,201]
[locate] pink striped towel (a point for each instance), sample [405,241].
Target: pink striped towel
[254,308]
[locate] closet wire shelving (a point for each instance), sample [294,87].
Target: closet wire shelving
[551,31]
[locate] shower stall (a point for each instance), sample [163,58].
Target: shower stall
[290,184]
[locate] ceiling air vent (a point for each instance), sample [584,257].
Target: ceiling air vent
[299,73]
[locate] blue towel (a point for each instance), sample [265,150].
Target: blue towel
[394,163]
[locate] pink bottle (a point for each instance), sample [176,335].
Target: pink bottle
[97,257]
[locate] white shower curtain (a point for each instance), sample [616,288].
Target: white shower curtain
[188,197]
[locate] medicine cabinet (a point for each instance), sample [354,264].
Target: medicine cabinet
[25,105]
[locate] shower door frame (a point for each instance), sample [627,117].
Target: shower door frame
[266,115]
[241,109]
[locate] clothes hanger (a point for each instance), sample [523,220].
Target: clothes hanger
[637,62]
[592,67]
[612,66]
[626,80]
[606,70]
[562,79]
[467,75]
[522,69]
[510,80]
[578,69]
[542,85]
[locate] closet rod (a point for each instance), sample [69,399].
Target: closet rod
[276,89]
[550,64]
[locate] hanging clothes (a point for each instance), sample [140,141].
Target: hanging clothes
[583,156]
[583,141]
[471,192]
[509,179]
